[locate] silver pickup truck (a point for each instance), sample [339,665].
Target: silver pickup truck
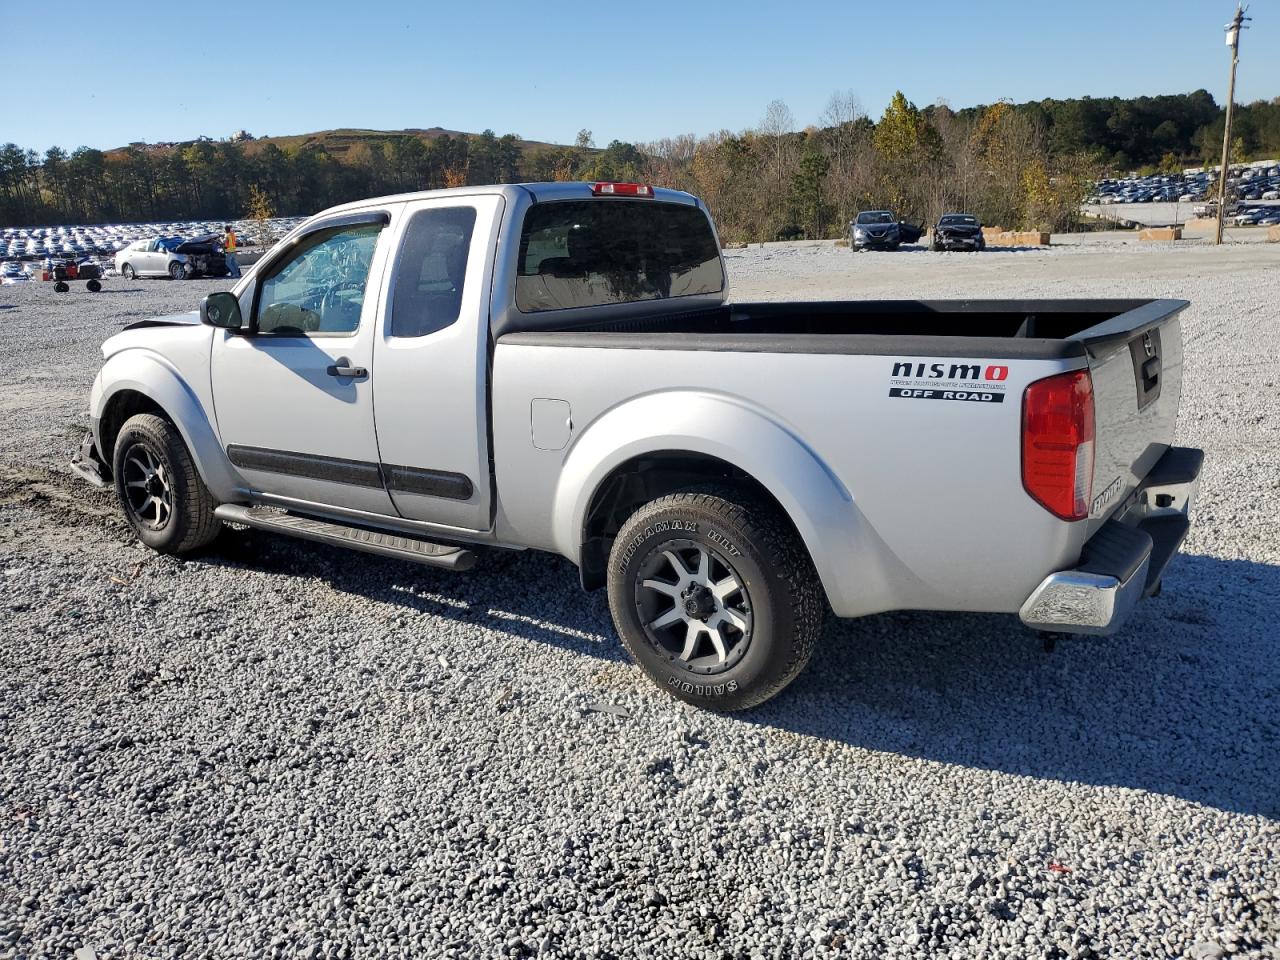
[557,367]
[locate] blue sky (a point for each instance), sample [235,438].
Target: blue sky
[631,71]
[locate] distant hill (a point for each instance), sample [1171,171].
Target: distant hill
[335,142]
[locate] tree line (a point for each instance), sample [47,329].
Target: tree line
[1022,165]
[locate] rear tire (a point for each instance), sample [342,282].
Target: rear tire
[61,286]
[159,489]
[177,271]
[714,596]
[94,286]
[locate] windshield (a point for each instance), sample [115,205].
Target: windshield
[955,219]
[875,216]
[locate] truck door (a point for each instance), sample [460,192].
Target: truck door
[431,358]
[293,395]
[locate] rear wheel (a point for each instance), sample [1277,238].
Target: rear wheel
[714,596]
[163,498]
[176,271]
[61,286]
[94,286]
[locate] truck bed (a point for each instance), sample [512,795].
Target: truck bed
[1000,329]
[841,376]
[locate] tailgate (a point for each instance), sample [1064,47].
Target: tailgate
[1135,360]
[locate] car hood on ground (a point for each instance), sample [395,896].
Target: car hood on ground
[206,244]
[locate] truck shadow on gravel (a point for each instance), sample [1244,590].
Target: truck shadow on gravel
[530,595]
[1185,701]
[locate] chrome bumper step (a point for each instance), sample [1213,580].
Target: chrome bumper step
[1123,562]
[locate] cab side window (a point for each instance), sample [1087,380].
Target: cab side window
[320,288]
[431,271]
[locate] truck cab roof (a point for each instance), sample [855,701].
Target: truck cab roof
[536,192]
[562,278]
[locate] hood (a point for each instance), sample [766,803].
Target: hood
[169,320]
[158,333]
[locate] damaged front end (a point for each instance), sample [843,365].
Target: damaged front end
[88,463]
[204,257]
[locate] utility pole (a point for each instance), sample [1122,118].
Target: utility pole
[1233,41]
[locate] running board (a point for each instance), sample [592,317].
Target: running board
[354,538]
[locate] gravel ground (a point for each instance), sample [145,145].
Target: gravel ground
[279,749]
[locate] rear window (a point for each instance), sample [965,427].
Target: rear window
[586,253]
[431,272]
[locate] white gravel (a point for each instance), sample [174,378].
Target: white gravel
[282,750]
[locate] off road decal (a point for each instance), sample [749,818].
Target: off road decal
[661,526]
[700,690]
[980,382]
[974,396]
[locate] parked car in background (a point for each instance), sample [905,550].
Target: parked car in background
[172,257]
[957,231]
[880,229]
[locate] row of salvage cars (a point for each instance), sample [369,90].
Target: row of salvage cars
[882,230]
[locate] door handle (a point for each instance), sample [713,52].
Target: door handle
[340,369]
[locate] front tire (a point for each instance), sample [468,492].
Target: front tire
[715,597]
[159,489]
[176,271]
[127,272]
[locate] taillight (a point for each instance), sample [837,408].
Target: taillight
[622,190]
[1057,443]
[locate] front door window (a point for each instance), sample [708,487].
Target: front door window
[320,289]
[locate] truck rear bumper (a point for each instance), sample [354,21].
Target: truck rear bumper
[1123,561]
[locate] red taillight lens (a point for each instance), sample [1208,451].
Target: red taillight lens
[1057,443]
[622,190]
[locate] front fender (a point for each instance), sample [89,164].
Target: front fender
[153,376]
[850,558]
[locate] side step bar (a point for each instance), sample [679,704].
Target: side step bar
[354,538]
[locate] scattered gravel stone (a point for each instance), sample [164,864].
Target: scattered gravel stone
[277,749]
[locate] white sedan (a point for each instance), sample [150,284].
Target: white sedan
[172,257]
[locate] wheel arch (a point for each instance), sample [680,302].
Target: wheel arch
[659,443]
[646,477]
[137,381]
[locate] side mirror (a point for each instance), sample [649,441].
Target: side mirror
[221,309]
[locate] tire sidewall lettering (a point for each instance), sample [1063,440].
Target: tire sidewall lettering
[652,530]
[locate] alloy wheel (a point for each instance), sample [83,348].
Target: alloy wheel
[694,606]
[146,486]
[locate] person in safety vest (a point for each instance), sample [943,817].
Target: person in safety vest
[229,248]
